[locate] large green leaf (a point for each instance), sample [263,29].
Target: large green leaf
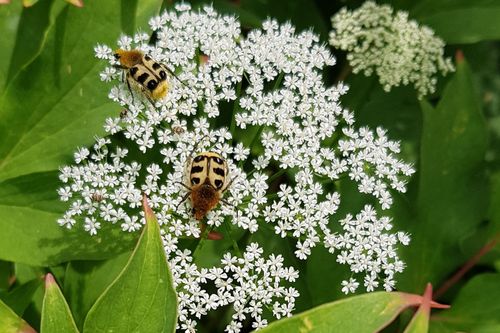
[56,315]
[142,298]
[57,103]
[476,308]
[29,209]
[452,192]
[462,21]
[85,281]
[11,323]
[54,104]
[361,314]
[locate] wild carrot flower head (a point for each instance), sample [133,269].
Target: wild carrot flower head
[259,101]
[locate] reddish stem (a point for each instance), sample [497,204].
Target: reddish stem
[466,267]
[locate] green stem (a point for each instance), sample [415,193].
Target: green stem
[250,173]
[203,237]
[236,249]
[276,175]
[278,80]
[256,136]
[269,196]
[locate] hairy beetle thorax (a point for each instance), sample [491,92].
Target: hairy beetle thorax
[204,198]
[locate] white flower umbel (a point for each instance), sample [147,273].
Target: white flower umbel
[397,49]
[368,247]
[250,284]
[105,185]
[260,102]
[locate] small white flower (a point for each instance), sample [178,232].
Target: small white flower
[130,224]
[91,225]
[81,154]
[65,193]
[66,221]
[112,125]
[349,286]
[108,74]
[103,52]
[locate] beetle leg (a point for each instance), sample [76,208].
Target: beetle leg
[183,199]
[187,187]
[228,184]
[128,78]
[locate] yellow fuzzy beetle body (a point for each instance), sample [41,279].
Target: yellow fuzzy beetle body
[207,175]
[143,73]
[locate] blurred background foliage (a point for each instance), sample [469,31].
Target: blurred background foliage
[51,101]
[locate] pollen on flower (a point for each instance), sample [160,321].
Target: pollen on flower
[396,49]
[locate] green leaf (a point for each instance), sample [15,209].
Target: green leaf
[135,14]
[33,25]
[495,203]
[398,112]
[29,3]
[85,281]
[29,209]
[291,11]
[24,274]
[141,298]
[461,22]
[56,315]
[9,20]
[76,3]
[19,298]
[55,103]
[452,192]
[324,276]
[5,275]
[476,308]
[11,323]
[361,314]
[419,323]
[361,88]
[145,10]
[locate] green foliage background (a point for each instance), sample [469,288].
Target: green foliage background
[51,102]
